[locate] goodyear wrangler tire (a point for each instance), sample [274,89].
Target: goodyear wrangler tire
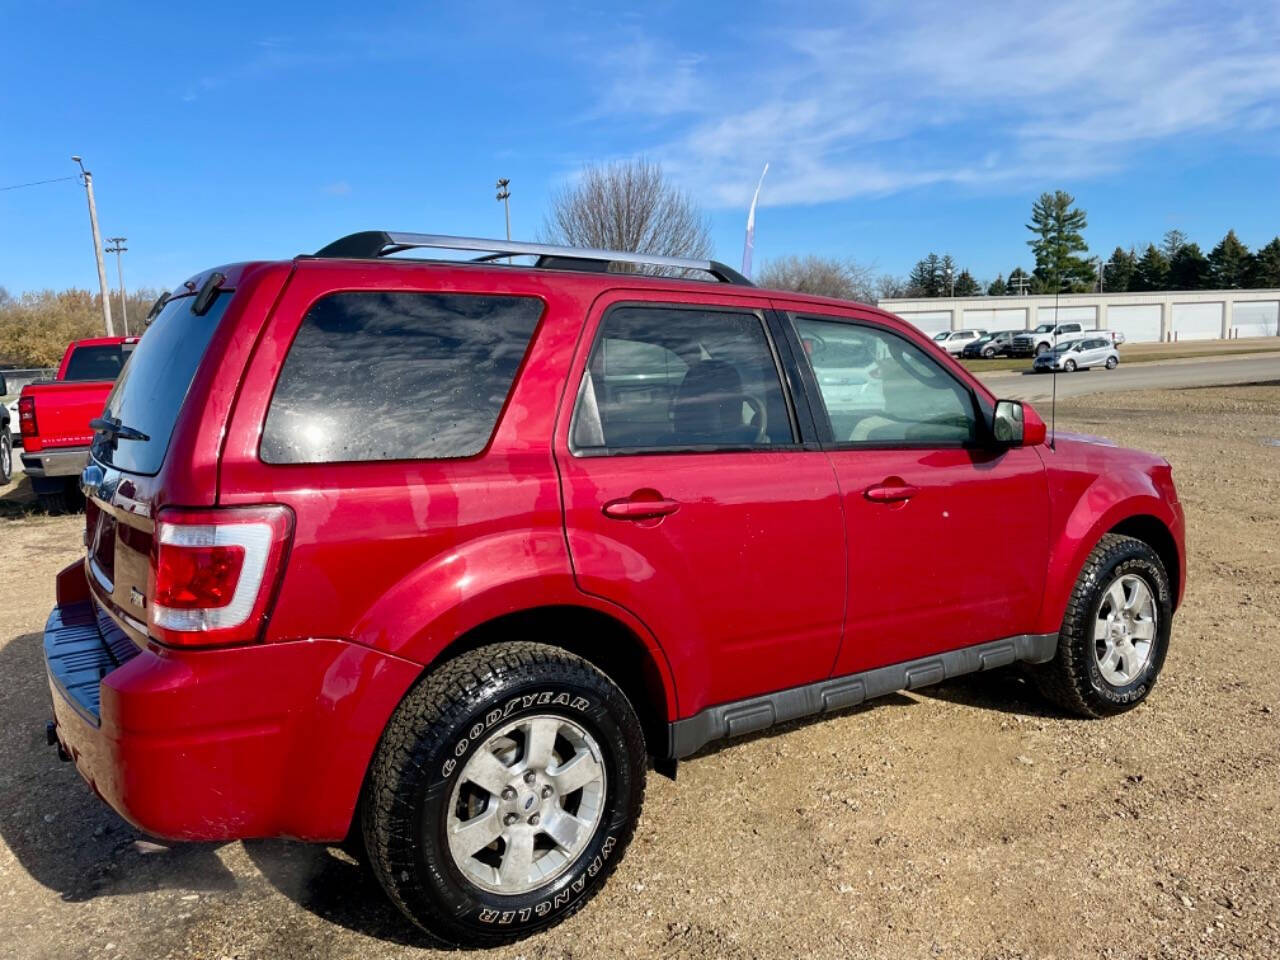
[1115,633]
[503,793]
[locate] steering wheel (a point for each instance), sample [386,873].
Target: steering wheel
[762,418]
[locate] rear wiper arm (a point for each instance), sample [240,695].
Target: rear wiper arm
[117,429]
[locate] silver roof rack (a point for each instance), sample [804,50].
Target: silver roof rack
[372,244]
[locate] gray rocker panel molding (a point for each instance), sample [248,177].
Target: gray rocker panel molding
[688,736]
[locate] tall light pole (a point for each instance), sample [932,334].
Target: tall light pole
[87,179]
[118,249]
[505,196]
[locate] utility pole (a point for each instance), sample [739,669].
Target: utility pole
[1102,273]
[1020,283]
[505,196]
[87,179]
[118,249]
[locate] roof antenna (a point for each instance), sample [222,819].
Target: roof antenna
[1053,367]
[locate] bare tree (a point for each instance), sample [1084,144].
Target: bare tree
[628,206]
[821,276]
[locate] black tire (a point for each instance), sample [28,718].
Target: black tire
[67,499]
[989,353]
[1069,366]
[1072,679]
[6,454]
[1111,363]
[438,727]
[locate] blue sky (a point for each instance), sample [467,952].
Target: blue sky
[892,129]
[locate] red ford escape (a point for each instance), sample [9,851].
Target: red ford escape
[432,558]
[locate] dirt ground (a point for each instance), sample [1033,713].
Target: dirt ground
[966,820]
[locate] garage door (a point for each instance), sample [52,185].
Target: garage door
[986,319]
[1139,323]
[1197,321]
[1254,319]
[1087,317]
[930,322]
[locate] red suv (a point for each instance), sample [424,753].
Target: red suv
[433,557]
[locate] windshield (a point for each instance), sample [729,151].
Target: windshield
[1044,328]
[943,335]
[1064,347]
[149,394]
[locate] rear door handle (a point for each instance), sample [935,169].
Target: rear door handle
[883,493]
[628,509]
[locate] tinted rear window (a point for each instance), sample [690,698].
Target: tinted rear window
[397,376]
[98,363]
[150,393]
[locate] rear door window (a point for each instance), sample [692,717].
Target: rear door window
[150,393]
[397,376]
[666,378]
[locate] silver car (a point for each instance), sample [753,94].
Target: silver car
[1079,355]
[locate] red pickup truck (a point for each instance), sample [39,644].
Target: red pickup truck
[54,417]
[432,558]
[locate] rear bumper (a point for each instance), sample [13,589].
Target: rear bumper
[66,462]
[255,741]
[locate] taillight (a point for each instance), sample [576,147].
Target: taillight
[214,573]
[27,416]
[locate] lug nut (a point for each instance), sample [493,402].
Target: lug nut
[509,819]
[508,793]
[546,792]
[530,776]
[533,820]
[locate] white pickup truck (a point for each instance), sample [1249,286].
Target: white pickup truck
[1044,338]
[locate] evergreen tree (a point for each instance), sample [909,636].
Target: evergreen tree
[1057,225]
[1231,263]
[1174,240]
[925,279]
[1016,275]
[966,286]
[1188,269]
[997,287]
[1118,274]
[1266,266]
[1152,271]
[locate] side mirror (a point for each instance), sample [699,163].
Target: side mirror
[1016,424]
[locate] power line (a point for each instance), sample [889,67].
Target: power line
[36,183]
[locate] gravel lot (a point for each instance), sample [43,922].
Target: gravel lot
[963,821]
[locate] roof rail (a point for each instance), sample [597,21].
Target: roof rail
[371,244]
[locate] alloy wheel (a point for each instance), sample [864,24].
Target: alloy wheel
[1125,629]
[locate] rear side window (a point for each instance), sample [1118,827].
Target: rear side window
[397,376]
[150,393]
[98,363]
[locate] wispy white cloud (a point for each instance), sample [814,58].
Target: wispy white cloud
[933,92]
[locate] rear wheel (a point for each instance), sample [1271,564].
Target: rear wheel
[504,792]
[1111,363]
[1115,633]
[6,454]
[62,498]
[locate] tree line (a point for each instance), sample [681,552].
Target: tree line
[36,327]
[1061,265]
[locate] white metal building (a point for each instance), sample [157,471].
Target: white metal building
[1150,317]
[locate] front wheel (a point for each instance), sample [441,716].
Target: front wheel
[989,353]
[1041,348]
[1115,633]
[6,454]
[1069,366]
[505,790]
